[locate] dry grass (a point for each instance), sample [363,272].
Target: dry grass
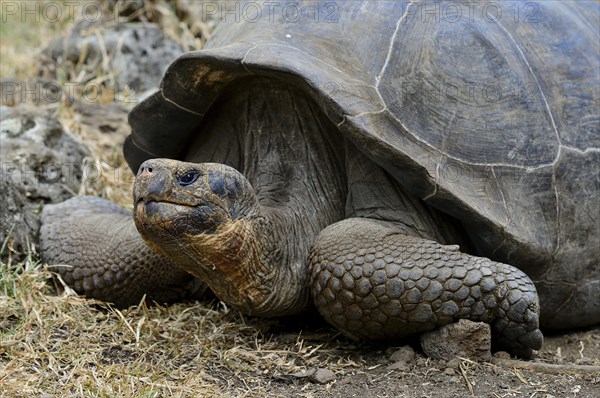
[21,38]
[68,346]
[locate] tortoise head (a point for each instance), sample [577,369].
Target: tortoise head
[174,198]
[203,217]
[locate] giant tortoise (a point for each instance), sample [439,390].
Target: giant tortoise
[396,168]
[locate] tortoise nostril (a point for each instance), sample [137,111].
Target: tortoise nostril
[145,169]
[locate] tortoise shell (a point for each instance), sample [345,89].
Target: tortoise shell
[487,113]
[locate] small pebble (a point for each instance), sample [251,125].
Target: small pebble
[400,365]
[322,376]
[502,355]
[405,354]
[465,339]
[585,361]
[454,363]
[346,380]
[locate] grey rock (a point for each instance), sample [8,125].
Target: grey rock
[137,54]
[502,355]
[106,123]
[5,112]
[454,363]
[464,339]
[315,375]
[33,91]
[405,354]
[322,376]
[400,365]
[585,361]
[41,163]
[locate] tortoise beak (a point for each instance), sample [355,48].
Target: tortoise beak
[154,192]
[152,183]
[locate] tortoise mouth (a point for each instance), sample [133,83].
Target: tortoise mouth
[155,202]
[154,199]
[154,211]
[165,209]
[175,218]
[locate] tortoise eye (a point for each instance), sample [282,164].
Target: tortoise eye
[188,178]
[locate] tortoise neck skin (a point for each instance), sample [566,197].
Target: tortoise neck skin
[247,234]
[206,217]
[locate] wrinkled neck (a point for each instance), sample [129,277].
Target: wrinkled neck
[246,264]
[292,155]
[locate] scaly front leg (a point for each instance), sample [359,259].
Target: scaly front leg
[94,246]
[371,280]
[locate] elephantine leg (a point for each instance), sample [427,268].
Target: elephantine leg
[371,280]
[94,246]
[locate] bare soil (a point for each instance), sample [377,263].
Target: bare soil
[373,374]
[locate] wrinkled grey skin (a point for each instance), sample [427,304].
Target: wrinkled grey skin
[380,182]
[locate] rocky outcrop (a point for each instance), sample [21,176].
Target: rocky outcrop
[41,163]
[135,55]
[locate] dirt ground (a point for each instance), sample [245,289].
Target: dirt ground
[373,374]
[461,378]
[58,346]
